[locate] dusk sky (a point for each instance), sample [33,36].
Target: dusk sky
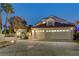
[34,12]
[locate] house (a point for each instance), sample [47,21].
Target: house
[53,28]
[17,22]
[18,26]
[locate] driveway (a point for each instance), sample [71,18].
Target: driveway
[40,48]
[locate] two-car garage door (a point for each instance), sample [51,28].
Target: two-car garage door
[57,34]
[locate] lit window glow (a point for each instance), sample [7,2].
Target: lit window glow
[51,31]
[57,30]
[54,30]
[67,30]
[63,30]
[42,30]
[39,31]
[47,31]
[60,30]
[71,28]
[35,31]
[18,33]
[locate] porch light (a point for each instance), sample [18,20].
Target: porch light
[32,30]
[40,30]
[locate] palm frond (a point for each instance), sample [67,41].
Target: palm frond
[7,7]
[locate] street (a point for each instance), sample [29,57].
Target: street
[40,48]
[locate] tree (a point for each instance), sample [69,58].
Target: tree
[7,7]
[1,9]
[0,19]
[24,22]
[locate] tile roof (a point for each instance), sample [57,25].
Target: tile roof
[44,26]
[59,22]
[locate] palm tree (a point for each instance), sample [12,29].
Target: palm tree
[1,9]
[0,20]
[7,7]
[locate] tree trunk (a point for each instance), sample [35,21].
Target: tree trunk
[0,24]
[7,20]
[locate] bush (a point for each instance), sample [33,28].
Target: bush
[76,35]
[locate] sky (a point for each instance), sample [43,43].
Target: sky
[34,12]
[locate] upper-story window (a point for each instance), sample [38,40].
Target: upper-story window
[50,23]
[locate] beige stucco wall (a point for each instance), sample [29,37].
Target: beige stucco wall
[59,33]
[19,31]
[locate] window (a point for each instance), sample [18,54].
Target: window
[53,30]
[63,30]
[71,28]
[42,30]
[35,31]
[60,30]
[47,31]
[50,23]
[57,30]
[39,31]
[67,30]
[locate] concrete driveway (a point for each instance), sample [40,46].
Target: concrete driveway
[40,48]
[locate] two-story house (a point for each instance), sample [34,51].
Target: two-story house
[53,28]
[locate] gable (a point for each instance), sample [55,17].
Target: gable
[53,21]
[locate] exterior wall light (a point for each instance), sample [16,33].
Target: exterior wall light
[32,30]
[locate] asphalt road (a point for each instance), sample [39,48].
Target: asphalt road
[40,48]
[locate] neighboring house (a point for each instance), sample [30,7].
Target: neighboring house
[18,26]
[53,28]
[17,21]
